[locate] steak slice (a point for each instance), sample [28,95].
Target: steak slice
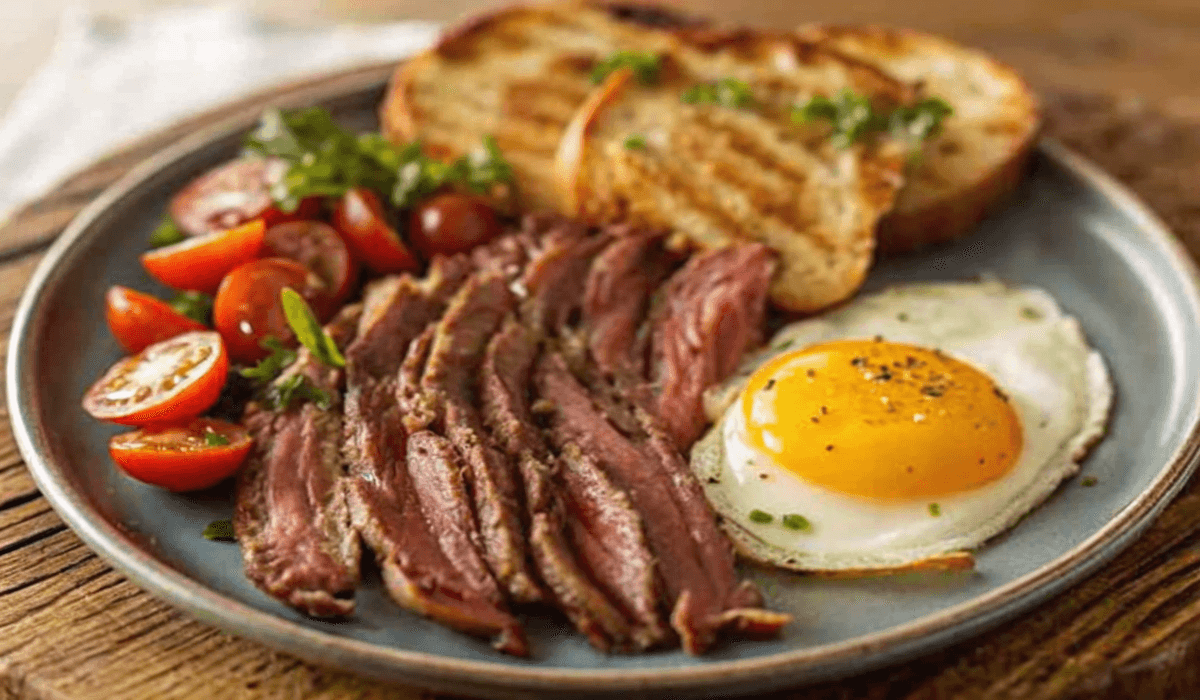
[617,297]
[711,313]
[449,385]
[695,559]
[291,517]
[554,280]
[406,492]
[608,539]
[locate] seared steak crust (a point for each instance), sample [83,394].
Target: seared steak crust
[712,312]
[291,518]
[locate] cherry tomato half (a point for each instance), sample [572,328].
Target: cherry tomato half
[139,320]
[233,194]
[169,382]
[247,309]
[201,262]
[451,223]
[188,457]
[360,218]
[318,247]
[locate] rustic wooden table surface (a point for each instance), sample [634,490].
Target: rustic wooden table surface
[1119,85]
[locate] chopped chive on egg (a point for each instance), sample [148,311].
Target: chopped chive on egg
[761,517]
[935,510]
[795,522]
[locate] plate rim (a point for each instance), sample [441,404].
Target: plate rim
[796,666]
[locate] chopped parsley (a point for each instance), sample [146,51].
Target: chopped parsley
[635,141]
[726,92]
[270,366]
[1031,313]
[212,439]
[167,233]
[935,510]
[853,118]
[308,329]
[195,305]
[326,160]
[795,522]
[645,66]
[1089,481]
[221,530]
[761,517]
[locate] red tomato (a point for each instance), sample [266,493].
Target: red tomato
[247,308]
[201,262]
[318,247]
[360,218]
[139,320]
[188,457]
[233,194]
[451,223]
[169,382]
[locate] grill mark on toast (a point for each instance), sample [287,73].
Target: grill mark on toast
[695,198]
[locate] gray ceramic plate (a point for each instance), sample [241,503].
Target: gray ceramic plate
[1071,230]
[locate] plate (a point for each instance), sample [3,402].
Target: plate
[1070,229]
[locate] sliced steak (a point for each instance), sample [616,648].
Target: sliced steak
[291,519]
[407,495]
[554,280]
[450,387]
[711,313]
[619,556]
[695,559]
[617,296]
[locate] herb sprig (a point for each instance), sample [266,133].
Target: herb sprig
[326,160]
[270,366]
[645,66]
[167,233]
[853,118]
[308,329]
[195,305]
[282,394]
[726,92]
[220,530]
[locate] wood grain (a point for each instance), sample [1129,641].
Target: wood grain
[72,629]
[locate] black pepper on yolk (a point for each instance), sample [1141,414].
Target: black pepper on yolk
[881,420]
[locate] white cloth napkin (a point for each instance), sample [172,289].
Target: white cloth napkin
[108,82]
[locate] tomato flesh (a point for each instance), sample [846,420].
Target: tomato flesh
[182,457]
[233,194]
[360,218]
[318,247]
[247,309]
[451,223]
[200,263]
[139,320]
[169,382]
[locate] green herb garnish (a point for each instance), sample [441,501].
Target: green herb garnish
[221,530]
[795,522]
[935,510]
[282,394]
[195,305]
[645,66]
[326,160]
[167,233]
[215,439]
[1031,313]
[308,329]
[726,92]
[635,141]
[853,118]
[270,366]
[761,517]
[1089,481]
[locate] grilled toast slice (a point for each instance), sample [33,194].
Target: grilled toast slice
[980,155]
[715,174]
[517,74]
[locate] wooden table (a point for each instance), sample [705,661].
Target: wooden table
[72,629]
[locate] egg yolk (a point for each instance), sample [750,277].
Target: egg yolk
[881,420]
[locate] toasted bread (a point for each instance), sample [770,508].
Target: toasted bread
[980,155]
[518,74]
[716,174]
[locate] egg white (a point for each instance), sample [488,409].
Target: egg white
[1057,384]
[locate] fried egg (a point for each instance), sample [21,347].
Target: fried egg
[903,428]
